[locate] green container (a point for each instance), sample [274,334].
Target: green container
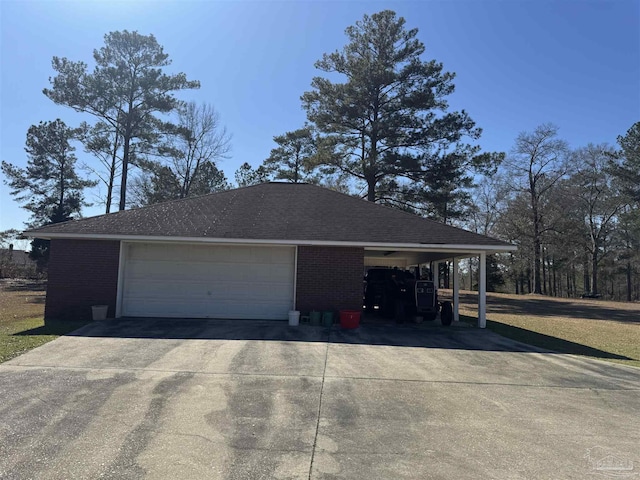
[327,319]
[314,318]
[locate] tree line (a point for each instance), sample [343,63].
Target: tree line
[573,213]
[379,126]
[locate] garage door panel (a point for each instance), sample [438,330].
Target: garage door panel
[219,254]
[198,273]
[200,281]
[154,288]
[172,268]
[142,307]
[275,255]
[267,274]
[206,272]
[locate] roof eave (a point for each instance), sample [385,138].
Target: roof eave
[415,247]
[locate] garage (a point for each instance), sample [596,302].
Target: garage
[204,281]
[254,252]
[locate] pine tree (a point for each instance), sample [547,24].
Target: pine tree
[126,90]
[389,118]
[49,187]
[292,159]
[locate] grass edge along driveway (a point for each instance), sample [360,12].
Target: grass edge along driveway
[22,325]
[20,336]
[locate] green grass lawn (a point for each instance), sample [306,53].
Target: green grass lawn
[576,327]
[22,318]
[17,337]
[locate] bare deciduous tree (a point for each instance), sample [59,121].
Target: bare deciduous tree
[537,163]
[598,200]
[201,140]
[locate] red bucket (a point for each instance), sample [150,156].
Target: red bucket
[349,318]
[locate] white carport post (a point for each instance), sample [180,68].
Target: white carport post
[456,291]
[482,291]
[436,274]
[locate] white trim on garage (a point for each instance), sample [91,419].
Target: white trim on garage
[295,278]
[458,249]
[121,268]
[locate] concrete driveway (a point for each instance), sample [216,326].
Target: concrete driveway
[254,400]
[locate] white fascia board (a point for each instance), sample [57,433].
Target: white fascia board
[409,247]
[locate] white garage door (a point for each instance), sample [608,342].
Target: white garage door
[198,281]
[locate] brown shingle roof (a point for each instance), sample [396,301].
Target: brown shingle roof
[273,211]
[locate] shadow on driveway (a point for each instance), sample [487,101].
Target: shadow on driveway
[425,335]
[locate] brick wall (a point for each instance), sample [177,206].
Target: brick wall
[82,273]
[329,278]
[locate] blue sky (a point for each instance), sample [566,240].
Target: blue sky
[575,63]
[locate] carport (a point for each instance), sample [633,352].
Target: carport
[406,256]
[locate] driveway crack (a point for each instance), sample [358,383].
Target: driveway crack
[315,438]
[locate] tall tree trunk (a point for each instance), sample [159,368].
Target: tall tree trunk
[125,155]
[296,168]
[123,182]
[61,196]
[544,272]
[612,287]
[109,191]
[112,173]
[370,169]
[112,177]
[628,275]
[594,272]
[585,274]
[537,244]
[537,264]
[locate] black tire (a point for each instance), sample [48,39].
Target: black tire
[446,314]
